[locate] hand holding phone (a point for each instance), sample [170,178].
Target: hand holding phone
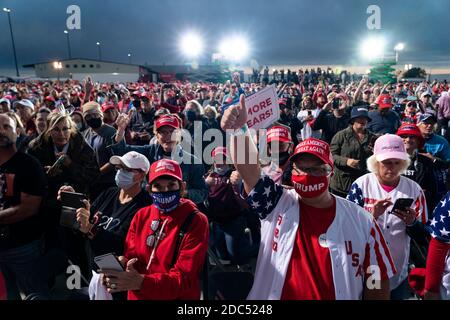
[108,261]
[402,204]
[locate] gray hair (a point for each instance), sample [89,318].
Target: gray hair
[373,165]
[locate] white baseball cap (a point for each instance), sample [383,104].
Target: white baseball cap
[25,103]
[5,100]
[132,160]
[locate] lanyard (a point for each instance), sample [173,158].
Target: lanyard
[158,238]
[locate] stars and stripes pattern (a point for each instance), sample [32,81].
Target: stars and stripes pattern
[439,225]
[264,197]
[356,195]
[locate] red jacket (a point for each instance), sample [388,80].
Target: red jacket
[2,288]
[182,282]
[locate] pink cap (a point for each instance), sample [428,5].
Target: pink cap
[390,146]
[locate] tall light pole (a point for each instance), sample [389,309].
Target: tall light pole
[129,58]
[399,47]
[68,44]
[8,11]
[99,51]
[58,66]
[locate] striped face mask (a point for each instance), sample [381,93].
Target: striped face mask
[166,201]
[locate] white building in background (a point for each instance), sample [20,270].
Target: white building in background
[99,70]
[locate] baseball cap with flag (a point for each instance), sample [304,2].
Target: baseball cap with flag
[384,101]
[390,146]
[167,120]
[317,148]
[132,160]
[278,133]
[165,167]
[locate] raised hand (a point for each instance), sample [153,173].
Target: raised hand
[235,116]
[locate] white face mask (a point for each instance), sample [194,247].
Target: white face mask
[124,179]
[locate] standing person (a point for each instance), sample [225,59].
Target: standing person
[437,149]
[22,188]
[331,123]
[307,116]
[351,148]
[384,120]
[377,191]
[160,263]
[25,109]
[280,148]
[67,160]
[305,230]
[437,278]
[106,219]
[166,129]
[99,136]
[288,118]
[421,168]
[227,213]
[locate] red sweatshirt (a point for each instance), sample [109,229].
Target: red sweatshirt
[182,282]
[437,253]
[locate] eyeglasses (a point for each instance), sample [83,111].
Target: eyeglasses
[318,171]
[63,130]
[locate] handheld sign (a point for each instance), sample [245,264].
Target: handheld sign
[262,108]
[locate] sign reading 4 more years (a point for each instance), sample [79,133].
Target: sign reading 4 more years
[262,108]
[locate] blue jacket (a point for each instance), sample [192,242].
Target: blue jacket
[389,123]
[191,166]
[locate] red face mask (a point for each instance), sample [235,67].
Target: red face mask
[308,186]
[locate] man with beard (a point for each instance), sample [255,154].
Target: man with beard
[22,188]
[99,135]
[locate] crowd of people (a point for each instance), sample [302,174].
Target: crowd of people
[322,218]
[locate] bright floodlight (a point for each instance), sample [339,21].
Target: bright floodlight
[6,10]
[399,47]
[66,32]
[373,48]
[234,48]
[98,43]
[191,45]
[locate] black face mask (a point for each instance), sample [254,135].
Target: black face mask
[137,104]
[283,157]
[94,123]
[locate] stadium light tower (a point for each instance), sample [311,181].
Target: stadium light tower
[8,12]
[373,48]
[191,45]
[235,48]
[399,47]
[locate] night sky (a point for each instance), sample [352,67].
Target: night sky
[280,32]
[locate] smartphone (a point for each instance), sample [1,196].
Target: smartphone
[309,113]
[68,218]
[108,261]
[402,204]
[72,200]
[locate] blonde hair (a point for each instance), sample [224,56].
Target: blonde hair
[196,104]
[373,165]
[211,109]
[54,119]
